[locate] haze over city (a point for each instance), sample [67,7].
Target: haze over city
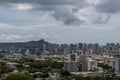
[60,21]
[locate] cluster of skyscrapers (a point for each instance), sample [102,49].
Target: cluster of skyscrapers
[76,57]
[40,47]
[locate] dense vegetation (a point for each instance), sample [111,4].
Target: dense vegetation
[89,78]
[18,76]
[42,68]
[4,68]
[104,66]
[46,64]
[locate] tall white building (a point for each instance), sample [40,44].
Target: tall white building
[71,65]
[117,65]
[89,64]
[111,62]
[72,57]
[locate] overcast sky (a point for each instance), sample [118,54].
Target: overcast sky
[60,21]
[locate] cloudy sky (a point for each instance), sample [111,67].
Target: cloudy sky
[60,21]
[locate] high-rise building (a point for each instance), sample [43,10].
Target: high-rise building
[117,64]
[111,62]
[71,66]
[89,64]
[72,57]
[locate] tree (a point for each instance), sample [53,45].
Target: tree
[104,66]
[23,60]
[65,73]
[1,55]
[43,75]
[18,76]
[66,78]
[20,67]
[56,65]
[88,78]
[4,68]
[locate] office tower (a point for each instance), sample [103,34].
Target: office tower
[71,66]
[72,57]
[117,65]
[89,64]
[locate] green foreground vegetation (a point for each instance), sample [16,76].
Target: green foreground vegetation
[18,76]
[21,76]
[42,68]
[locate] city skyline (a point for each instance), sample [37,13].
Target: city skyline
[66,21]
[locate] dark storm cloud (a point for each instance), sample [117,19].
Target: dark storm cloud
[66,10]
[44,2]
[110,6]
[62,9]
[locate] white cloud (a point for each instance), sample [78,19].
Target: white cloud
[44,35]
[14,37]
[21,6]
[69,11]
[10,37]
[47,16]
[95,2]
